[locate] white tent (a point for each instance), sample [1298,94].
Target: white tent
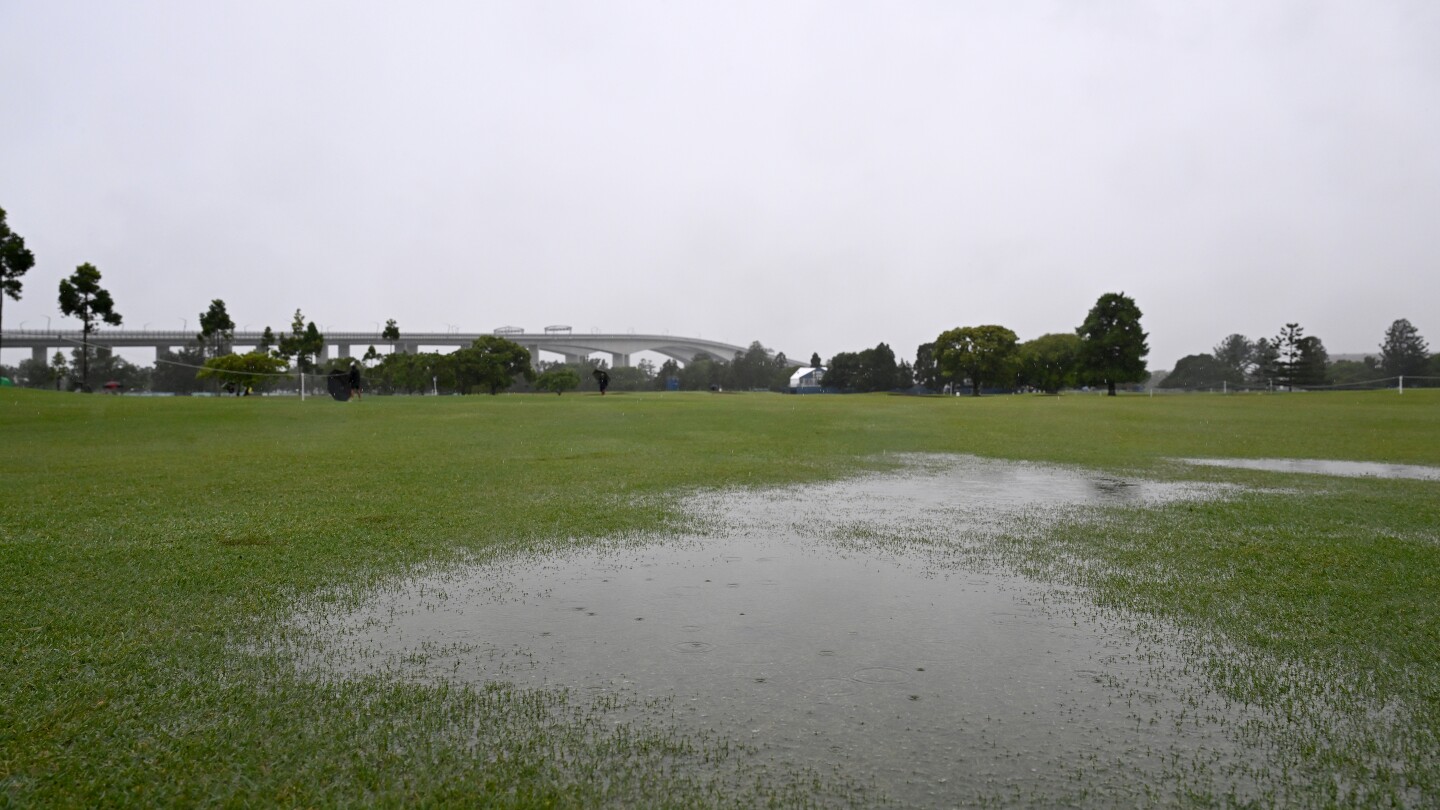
[806,380]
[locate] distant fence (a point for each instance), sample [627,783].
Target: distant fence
[1398,384]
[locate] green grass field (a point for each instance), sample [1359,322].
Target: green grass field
[145,542]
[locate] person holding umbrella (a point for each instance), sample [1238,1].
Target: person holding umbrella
[355,380]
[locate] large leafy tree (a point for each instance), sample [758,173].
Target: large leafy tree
[256,370]
[413,373]
[15,259]
[1265,362]
[1404,352]
[983,355]
[865,371]
[704,372]
[1112,344]
[1201,371]
[1312,364]
[558,378]
[1235,352]
[491,362]
[1050,362]
[754,368]
[81,296]
[843,373]
[217,330]
[926,373]
[878,371]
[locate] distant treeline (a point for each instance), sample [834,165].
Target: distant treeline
[1293,360]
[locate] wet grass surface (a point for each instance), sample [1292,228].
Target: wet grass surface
[843,626]
[147,544]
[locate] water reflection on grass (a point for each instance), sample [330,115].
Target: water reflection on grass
[1320,466]
[849,627]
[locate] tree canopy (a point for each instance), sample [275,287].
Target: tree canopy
[257,370]
[925,372]
[1404,352]
[81,296]
[1312,367]
[303,343]
[558,378]
[1202,372]
[865,371]
[217,330]
[1113,347]
[1265,362]
[15,260]
[1237,353]
[1050,362]
[493,363]
[981,355]
[391,332]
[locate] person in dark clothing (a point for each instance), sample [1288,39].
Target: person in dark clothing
[355,380]
[602,378]
[338,384]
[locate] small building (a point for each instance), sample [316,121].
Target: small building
[807,380]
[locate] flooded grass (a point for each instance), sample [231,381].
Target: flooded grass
[848,628]
[149,547]
[1314,466]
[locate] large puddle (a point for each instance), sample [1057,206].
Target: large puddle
[846,628]
[1315,466]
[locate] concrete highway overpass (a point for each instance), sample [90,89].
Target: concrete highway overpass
[573,346]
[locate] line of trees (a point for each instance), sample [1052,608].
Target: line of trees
[1292,359]
[1108,349]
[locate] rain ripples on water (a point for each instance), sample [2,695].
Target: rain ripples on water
[831,627]
[1320,466]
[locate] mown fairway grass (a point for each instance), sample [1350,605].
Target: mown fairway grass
[144,541]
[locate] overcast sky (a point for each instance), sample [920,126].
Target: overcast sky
[818,176]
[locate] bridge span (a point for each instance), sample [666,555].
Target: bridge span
[573,346]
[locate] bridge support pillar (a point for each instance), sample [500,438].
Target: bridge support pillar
[344,350]
[37,356]
[618,360]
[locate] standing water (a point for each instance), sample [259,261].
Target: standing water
[846,627]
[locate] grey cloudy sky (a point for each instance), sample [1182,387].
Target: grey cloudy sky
[819,176]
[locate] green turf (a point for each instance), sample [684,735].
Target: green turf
[143,540]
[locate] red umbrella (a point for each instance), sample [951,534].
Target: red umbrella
[112,385]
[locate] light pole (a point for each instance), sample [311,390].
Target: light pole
[184,325]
